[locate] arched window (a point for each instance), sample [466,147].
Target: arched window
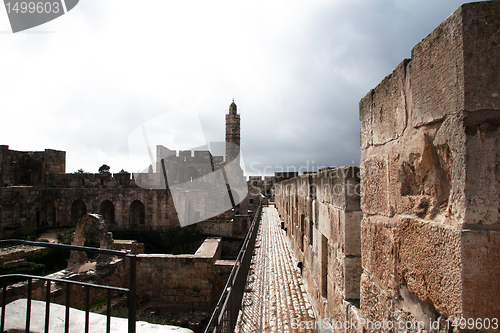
[35,178]
[137,213]
[78,209]
[107,211]
[190,173]
[48,214]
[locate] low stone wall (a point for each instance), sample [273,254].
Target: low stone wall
[133,246]
[172,283]
[15,253]
[182,282]
[322,217]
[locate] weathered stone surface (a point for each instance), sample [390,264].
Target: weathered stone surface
[480,250]
[481,53]
[375,186]
[454,68]
[482,162]
[386,118]
[352,277]
[437,77]
[365,116]
[331,253]
[429,263]
[376,304]
[418,184]
[377,246]
[351,222]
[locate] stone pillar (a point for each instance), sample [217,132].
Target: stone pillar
[430,189]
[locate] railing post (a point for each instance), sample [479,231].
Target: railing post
[66,320]
[87,308]
[47,307]
[108,311]
[131,295]
[28,305]
[4,296]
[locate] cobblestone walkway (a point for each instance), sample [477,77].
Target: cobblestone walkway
[274,293]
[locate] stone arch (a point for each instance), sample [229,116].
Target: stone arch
[48,213]
[105,238]
[190,173]
[107,211]
[137,213]
[78,210]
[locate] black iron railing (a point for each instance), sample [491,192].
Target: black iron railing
[130,291]
[226,312]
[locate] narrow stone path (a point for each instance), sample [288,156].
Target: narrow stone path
[275,299]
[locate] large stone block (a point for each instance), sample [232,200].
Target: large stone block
[365,116]
[455,67]
[482,163]
[383,110]
[338,186]
[375,186]
[481,42]
[351,229]
[437,78]
[325,217]
[378,252]
[375,303]
[429,263]
[352,277]
[480,273]
[418,184]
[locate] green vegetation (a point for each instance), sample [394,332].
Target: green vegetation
[24,233]
[104,168]
[39,264]
[64,237]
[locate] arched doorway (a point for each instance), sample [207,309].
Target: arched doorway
[137,213]
[107,211]
[48,213]
[190,173]
[78,209]
[35,177]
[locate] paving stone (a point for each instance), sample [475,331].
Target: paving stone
[274,293]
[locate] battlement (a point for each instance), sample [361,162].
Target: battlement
[30,168]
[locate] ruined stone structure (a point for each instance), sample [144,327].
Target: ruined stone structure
[37,191]
[183,283]
[430,191]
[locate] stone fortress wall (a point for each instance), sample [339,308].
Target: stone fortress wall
[36,191]
[422,240]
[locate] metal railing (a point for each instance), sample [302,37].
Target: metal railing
[131,291]
[224,317]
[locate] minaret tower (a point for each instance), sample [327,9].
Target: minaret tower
[232,133]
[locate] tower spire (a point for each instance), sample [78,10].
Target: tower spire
[232,133]
[232,108]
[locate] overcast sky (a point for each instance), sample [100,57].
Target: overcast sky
[296,70]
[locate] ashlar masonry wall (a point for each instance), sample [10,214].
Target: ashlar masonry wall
[430,177]
[322,216]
